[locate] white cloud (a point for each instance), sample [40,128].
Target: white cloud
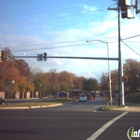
[90,74]
[58,62]
[88,8]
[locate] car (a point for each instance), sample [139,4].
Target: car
[97,95]
[2,101]
[83,97]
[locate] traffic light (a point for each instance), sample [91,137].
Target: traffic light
[45,56]
[125,8]
[1,56]
[125,78]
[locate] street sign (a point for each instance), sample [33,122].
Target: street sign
[39,57]
[9,57]
[8,84]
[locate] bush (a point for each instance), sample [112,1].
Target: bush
[132,98]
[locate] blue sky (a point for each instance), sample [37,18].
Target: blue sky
[61,28]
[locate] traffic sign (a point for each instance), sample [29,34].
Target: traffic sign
[9,57]
[39,57]
[8,84]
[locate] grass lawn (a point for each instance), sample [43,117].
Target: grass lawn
[39,103]
[107,108]
[132,98]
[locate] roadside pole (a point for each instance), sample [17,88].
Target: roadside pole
[121,84]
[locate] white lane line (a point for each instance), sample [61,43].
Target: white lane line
[104,127]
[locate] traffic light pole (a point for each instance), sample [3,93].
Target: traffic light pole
[121,84]
[71,57]
[120,60]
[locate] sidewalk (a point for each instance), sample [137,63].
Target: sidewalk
[121,108]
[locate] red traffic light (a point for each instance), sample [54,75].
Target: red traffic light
[125,78]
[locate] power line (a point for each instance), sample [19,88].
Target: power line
[131,37]
[62,46]
[75,41]
[64,42]
[53,9]
[57,26]
[58,4]
[48,17]
[130,48]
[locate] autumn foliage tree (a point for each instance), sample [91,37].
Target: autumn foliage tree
[132,71]
[27,79]
[15,74]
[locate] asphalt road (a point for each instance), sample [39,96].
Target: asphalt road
[72,121]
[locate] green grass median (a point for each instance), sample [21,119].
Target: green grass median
[38,103]
[132,98]
[107,108]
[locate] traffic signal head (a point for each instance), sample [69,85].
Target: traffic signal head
[125,78]
[45,56]
[125,8]
[1,56]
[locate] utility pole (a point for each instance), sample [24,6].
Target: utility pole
[136,6]
[121,84]
[124,6]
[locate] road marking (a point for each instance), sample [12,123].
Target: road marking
[104,127]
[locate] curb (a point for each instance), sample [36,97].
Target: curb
[126,108]
[32,107]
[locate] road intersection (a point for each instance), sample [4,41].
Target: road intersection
[71,121]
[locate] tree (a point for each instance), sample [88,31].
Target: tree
[37,83]
[115,80]
[104,82]
[132,71]
[23,68]
[91,84]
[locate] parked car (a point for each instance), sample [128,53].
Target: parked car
[83,97]
[97,95]
[2,101]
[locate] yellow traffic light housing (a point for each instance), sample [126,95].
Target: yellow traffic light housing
[125,8]
[1,56]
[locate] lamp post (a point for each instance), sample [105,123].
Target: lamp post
[109,74]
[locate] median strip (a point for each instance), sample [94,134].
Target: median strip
[31,107]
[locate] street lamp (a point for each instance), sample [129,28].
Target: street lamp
[109,74]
